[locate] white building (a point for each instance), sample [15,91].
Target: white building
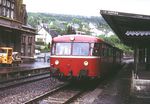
[44,36]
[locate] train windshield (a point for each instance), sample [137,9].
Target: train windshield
[63,49]
[80,49]
[76,49]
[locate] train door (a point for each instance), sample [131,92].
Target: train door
[95,50]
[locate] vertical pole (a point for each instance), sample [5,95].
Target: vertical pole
[136,57]
[147,58]
[45,49]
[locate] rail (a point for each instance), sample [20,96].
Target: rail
[23,80]
[64,94]
[40,97]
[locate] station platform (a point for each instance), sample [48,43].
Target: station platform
[143,72]
[141,82]
[25,66]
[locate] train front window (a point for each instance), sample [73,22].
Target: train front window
[63,49]
[80,49]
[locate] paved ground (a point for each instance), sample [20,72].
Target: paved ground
[35,64]
[25,66]
[118,90]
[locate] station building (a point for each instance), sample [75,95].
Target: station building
[14,31]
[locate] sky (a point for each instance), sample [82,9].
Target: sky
[87,7]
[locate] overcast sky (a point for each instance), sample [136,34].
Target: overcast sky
[88,7]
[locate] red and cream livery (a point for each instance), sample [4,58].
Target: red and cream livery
[82,56]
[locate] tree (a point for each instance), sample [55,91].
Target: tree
[115,41]
[70,30]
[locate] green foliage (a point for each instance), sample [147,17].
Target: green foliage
[115,41]
[76,21]
[70,30]
[35,18]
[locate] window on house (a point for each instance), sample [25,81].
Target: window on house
[12,14]
[29,50]
[12,6]
[30,40]
[8,3]
[22,50]
[39,40]
[8,13]
[7,8]
[0,2]
[4,2]
[23,39]
[3,11]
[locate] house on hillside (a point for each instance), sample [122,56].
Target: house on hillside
[44,36]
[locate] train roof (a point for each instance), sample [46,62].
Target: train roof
[77,38]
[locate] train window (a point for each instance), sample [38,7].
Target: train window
[63,48]
[80,49]
[103,50]
[95,49]
[110,51]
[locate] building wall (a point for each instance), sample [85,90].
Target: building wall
[27,45]
[10,38]
[43,36]
[7,8]
[13,18]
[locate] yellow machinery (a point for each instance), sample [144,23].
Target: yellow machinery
[8,57]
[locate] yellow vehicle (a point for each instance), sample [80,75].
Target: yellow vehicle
[8,57]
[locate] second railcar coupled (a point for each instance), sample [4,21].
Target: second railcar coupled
[82,56]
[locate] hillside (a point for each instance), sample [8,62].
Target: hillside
[60,21]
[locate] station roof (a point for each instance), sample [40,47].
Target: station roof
[132,29]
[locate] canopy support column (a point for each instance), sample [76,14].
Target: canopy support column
[136,61]
[147,58]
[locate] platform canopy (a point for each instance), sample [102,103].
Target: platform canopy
[132,29]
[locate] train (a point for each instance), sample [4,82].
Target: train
[82,57]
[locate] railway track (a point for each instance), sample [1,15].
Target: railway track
[23,80]
[63,94]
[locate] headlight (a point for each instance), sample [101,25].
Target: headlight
[86,63]
[56,62]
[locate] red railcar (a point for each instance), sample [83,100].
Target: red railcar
[82,56]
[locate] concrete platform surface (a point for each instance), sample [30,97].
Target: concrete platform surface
[25,66]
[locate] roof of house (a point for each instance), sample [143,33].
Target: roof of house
[52,32]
